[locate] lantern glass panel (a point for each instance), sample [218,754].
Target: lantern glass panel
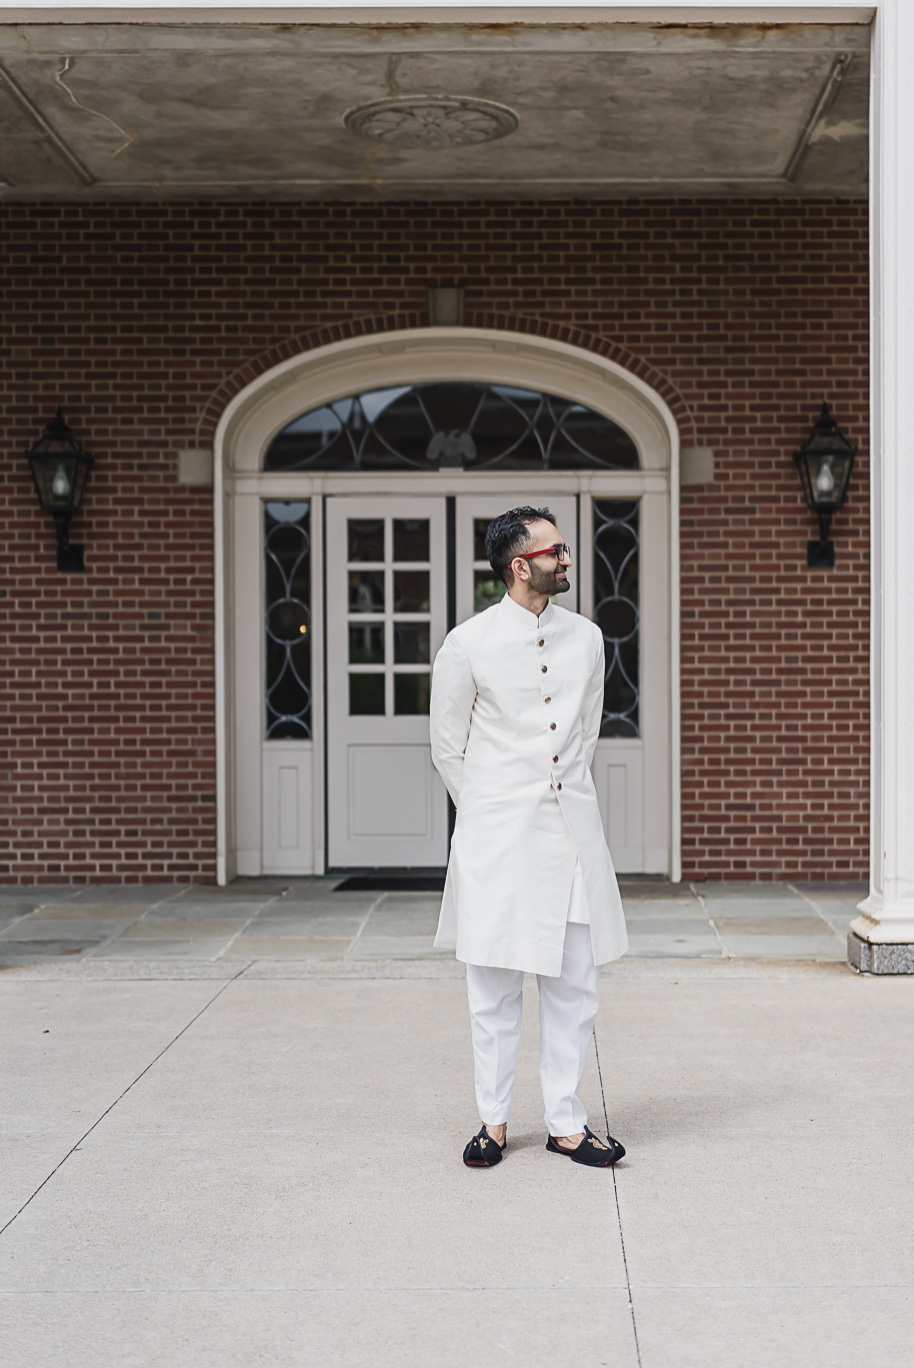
[56,477]
[826,478]
[82,475]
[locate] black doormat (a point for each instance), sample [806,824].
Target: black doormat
[392,883]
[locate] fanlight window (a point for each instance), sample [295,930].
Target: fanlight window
[454,424]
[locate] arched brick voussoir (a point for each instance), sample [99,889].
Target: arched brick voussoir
[348,328]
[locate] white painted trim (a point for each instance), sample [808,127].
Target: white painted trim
[221,647]
[315,377]
[253,417]
[608,484]
[887,915]
[318,692]
[675,720]
[246,677]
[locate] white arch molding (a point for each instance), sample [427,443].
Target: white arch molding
[303,382]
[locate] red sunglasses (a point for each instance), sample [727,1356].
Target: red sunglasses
[561,551]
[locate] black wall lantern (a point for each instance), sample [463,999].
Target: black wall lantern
[60,468]
[824,462]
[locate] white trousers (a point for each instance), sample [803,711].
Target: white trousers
[568,1005]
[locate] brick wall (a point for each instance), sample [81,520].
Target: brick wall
[140,320]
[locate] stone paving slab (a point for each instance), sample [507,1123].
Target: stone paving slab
[93,912]
[201,948]
[309,918]
[187,927]
[128,893]
[386,947]
[210,907]
[666,908]
[785,947]
[661,947]
[773,926]
[755,909]
[56,947]
[289,947]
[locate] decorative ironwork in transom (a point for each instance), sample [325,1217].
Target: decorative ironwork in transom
[460,424]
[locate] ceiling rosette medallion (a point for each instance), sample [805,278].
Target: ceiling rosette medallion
[432,122]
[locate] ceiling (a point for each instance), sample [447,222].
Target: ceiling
[129,111]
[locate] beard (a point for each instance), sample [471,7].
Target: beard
[548,582]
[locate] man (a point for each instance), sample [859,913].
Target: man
[517,695]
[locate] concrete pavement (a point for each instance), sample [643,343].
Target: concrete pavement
[221,1162]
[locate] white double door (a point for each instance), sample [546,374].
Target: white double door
[389,567]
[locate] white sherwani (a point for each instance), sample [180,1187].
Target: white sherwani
[515,717]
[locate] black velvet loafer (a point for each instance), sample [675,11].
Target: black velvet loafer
[590,1151]
[483,1151]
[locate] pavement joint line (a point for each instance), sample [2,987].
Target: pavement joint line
[113,937]
[97,1122]
[23,916]
[725,953]
[344,1290]
[364,923]
[87,954]
[628,1284]
[231,941]
[115,934]
[816,908]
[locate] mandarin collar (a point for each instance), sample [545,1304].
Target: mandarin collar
[523,616]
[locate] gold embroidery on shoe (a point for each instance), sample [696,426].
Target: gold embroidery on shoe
[594,1141]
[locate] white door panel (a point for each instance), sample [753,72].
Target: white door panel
[287,783]
[386,618]
[617,776]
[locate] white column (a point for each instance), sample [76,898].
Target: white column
[882,938]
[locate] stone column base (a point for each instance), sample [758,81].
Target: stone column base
[872,958]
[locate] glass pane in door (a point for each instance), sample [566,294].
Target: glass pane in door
[366,539]
[411,643]
[411,540]
[366,591]
[411,591]
[616,546]
[287,584]
[411,694]
[366,643]
[366,695]
[487,589]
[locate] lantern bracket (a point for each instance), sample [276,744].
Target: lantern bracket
[69,558]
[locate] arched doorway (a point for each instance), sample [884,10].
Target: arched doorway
[353,485]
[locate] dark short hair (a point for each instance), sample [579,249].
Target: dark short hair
[507,536]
